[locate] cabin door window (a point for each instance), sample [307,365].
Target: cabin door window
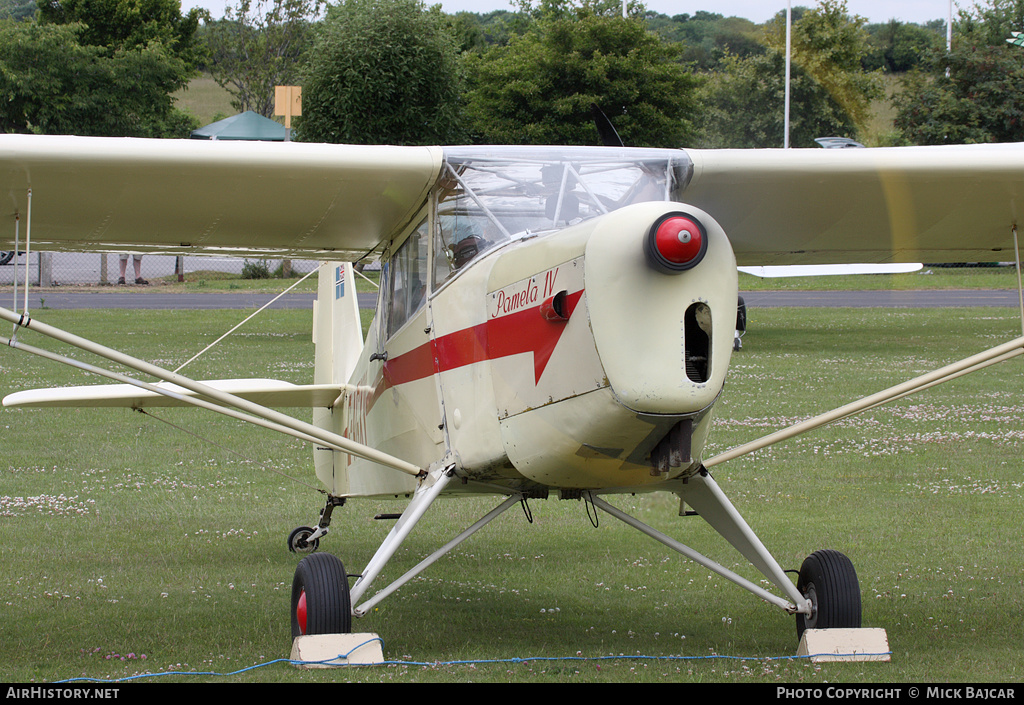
[409,272]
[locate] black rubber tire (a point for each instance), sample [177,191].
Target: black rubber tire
[827,577]
[322,578]
[6,257]
[297,540]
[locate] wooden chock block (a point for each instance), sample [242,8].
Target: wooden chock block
[333,650]
[824,645]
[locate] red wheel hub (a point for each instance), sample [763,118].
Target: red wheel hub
[300,612]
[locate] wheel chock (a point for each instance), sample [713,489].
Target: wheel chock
[825,645]
[334,650]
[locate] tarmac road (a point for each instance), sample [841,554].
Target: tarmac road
[154,299]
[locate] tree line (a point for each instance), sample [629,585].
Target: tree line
[400,72]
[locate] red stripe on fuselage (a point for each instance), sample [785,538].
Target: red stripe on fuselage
[514,334]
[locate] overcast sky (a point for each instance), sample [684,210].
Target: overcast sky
[756,10]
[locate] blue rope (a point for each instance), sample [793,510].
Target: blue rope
[339,661]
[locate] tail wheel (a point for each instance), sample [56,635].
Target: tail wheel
[828,580]
[320,598]
[298,540]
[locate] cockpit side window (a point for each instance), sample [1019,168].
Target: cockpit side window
[465,228]
[408,270]
[461,236]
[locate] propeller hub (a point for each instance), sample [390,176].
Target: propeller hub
[676,242]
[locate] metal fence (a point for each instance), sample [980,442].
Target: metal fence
[97,269]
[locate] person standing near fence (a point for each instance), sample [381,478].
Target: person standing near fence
[137,261]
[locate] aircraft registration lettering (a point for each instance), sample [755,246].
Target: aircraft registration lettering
[359,401]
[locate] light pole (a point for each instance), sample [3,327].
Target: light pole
[789,41]
[949,29]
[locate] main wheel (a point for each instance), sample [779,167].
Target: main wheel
[320,598]
[741,315]
[828,580]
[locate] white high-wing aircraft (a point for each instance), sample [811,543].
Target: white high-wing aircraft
[551,321]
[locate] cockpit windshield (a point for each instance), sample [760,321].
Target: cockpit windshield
[491,195]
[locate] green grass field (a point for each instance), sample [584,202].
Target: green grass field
[129,547]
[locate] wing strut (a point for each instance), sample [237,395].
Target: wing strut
[266,417]
[28,248]
[974,363]
[1020,285]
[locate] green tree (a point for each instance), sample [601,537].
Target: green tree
[540,88]
[99,67]
[382,72]
[51,83]
[988,23]
[707,37]
[899,47]
[17,9]
[974,93]
[468,31]
[129,24]
[830,94]
[828,44]
[978,101]
[260,45]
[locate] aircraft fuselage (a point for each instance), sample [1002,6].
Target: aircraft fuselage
[562,359]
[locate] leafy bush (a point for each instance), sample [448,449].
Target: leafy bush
[255,270]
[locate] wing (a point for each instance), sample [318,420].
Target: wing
[259,198]
[901,204]
[815,206]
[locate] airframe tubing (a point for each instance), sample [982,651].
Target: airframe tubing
[348,445]
[1020,284]
[797,602]
[28,250]
[17,244]
[998,353]
[433,557]
[976,368]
